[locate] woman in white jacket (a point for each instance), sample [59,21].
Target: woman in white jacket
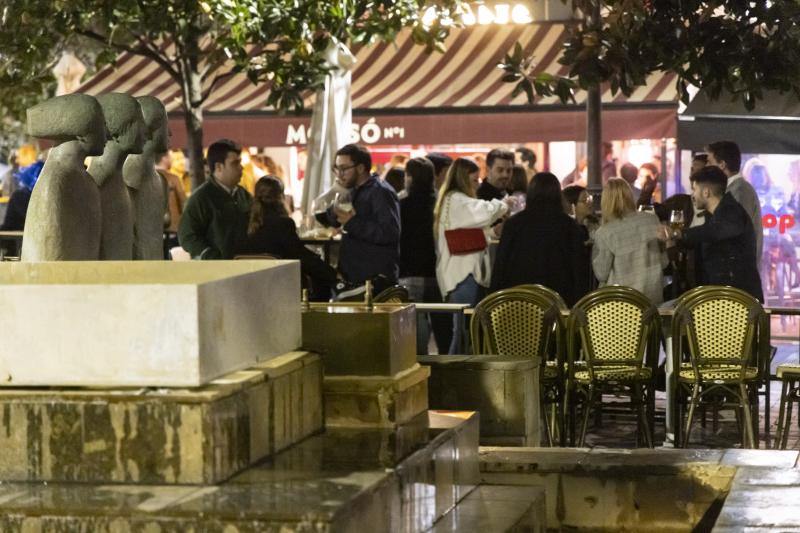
[463,278]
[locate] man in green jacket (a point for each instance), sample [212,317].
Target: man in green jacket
[214,223]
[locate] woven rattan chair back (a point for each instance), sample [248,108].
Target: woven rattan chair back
[516,322]
[614,325]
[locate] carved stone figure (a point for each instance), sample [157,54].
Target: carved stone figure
[147,189]
[63,220]
[125,124]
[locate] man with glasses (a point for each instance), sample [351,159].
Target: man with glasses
[370,220]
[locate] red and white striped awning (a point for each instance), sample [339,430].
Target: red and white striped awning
[400,78]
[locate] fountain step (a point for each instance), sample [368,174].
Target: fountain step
[341,480]
[155,436]
[497,509]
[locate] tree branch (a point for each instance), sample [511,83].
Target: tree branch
[140,50]
[217,78]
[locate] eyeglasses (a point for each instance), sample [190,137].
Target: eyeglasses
[341,170]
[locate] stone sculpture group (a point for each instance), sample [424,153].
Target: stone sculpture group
[113,211]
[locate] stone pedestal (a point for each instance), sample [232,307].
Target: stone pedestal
[352,401]
[159,323]
[153,436]
[504,390]
[372,378]
[357,341]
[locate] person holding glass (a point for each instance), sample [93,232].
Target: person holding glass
[368,213]
[461,225]
[626,246]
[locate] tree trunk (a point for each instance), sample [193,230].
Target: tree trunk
[192,96]
[193,118]
[594,136]
[594,127]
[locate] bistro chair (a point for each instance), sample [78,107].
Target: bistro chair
[616,329]
[725,332]
[393,295]
[526,321]
[789,374]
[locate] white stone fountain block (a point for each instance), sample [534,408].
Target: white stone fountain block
[144,323]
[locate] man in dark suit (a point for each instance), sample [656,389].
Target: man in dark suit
[726,242]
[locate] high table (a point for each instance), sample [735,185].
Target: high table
[326,243]
[14,237]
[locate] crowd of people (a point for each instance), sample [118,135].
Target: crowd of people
[429,222]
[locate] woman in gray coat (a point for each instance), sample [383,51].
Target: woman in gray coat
[626,247]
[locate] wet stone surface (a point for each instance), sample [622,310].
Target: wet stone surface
[335,480]
[154,436]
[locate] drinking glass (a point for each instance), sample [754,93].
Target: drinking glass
[676,220]
[342,202]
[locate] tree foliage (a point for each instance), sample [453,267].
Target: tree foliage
[276,40]
[198,42]
[738,47]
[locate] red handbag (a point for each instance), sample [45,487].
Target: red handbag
[463,241]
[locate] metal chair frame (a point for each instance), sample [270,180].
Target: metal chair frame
[640,366]
[789,375]
[396,294]
[754,355]
[486,338]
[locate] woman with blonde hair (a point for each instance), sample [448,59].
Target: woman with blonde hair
[626,247]
[463,268]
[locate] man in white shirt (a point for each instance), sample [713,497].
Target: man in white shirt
[727,156]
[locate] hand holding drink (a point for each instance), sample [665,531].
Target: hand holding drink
[676,222]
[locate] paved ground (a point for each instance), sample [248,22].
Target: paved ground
[618,425]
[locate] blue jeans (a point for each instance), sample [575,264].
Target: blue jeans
[466,292]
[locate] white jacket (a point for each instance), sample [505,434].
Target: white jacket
[462,211]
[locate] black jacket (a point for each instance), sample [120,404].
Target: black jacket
[546,247]
[370,242]
[487,191]
[214,223]
[278,236]
[16,210]
[417,247]
[727,248]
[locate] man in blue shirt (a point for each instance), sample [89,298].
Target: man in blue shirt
[370,222]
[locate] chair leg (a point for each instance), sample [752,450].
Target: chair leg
[780,430]
[587,409]
[755,414]
[748,419]
[570,403]
[554,430]
[788,414]
[692,405]
[767,387]
[644,426]
[562,422]
[546,424]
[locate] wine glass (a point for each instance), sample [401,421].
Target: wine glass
[342,202]
[676,220]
